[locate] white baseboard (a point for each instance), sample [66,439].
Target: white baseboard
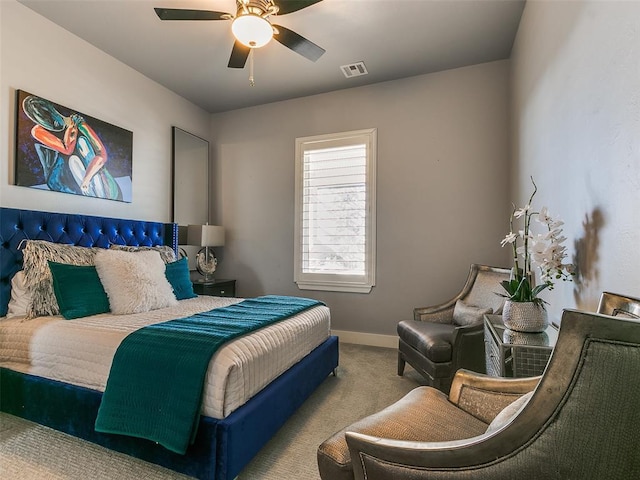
[372,339]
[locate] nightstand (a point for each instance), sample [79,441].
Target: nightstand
[217,287]
[516,354]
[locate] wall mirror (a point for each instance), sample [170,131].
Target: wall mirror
[190,183]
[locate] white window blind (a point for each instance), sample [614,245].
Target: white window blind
[335,212]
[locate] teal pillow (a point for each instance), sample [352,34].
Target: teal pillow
[178,275]
[78,290]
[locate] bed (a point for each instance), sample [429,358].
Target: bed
[229,434]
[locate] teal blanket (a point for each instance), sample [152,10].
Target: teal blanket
[154,390]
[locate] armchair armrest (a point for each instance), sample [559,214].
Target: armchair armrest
[389,459]
[484,396]
[442,313]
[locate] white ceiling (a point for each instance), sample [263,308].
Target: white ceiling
[394,38]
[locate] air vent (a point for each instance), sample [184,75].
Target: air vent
[354,69]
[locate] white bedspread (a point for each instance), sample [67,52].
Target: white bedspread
[80,351]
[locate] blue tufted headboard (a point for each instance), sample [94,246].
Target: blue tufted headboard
[83,230]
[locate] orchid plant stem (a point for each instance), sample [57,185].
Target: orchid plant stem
[527,224]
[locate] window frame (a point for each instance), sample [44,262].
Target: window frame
[338,282]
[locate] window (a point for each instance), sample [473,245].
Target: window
[336,212]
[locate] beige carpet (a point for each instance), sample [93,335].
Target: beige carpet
[366,382]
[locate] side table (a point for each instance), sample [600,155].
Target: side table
[516,354]
[217,287]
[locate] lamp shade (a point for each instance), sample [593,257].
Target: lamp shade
[252,30]
[205,235]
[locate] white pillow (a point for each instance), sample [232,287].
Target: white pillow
[134,282]
[509,412]
[20,296]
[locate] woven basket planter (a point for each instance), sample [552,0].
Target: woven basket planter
[524,317]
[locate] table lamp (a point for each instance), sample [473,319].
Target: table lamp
[206,236]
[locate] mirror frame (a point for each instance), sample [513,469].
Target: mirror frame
[178,156]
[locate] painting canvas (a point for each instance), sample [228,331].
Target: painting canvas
[63,150]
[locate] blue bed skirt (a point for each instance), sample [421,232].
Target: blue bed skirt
[222,447]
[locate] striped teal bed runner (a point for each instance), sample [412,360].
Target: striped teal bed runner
[155,386]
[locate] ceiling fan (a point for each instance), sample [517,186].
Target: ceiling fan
[252,27]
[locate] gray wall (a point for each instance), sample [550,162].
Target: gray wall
[576,129]
[448,168]
[44,59]
[443,170]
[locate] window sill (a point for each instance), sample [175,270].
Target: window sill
[333,287]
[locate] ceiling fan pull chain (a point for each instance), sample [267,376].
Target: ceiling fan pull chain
[251,79]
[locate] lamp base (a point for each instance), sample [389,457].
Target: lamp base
[206,263]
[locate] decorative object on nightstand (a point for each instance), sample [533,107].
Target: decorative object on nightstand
[206,236]
[524,310]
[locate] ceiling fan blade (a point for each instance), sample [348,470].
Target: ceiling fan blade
[289,6]
[239,55]
[181,14]
[298,43]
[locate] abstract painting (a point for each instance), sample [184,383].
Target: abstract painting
[63,150]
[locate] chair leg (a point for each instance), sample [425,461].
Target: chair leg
[401,364]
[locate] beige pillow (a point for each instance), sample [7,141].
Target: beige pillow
[464,314]
[134,282]
[20,297]
[509,412]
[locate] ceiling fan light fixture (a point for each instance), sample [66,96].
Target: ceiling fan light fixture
[252,30]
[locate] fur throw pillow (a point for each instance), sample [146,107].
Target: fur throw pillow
[134,282]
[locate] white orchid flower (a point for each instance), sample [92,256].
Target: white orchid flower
[521,211]
[510,238]
[556,224]
[555,236]
[544,216]
[559,240]
[541,252]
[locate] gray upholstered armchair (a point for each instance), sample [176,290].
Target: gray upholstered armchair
[615,304]
[445,337]
[579,424]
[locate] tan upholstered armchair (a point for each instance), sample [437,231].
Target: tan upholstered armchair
[579,424]
[445,337]
[426,413]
